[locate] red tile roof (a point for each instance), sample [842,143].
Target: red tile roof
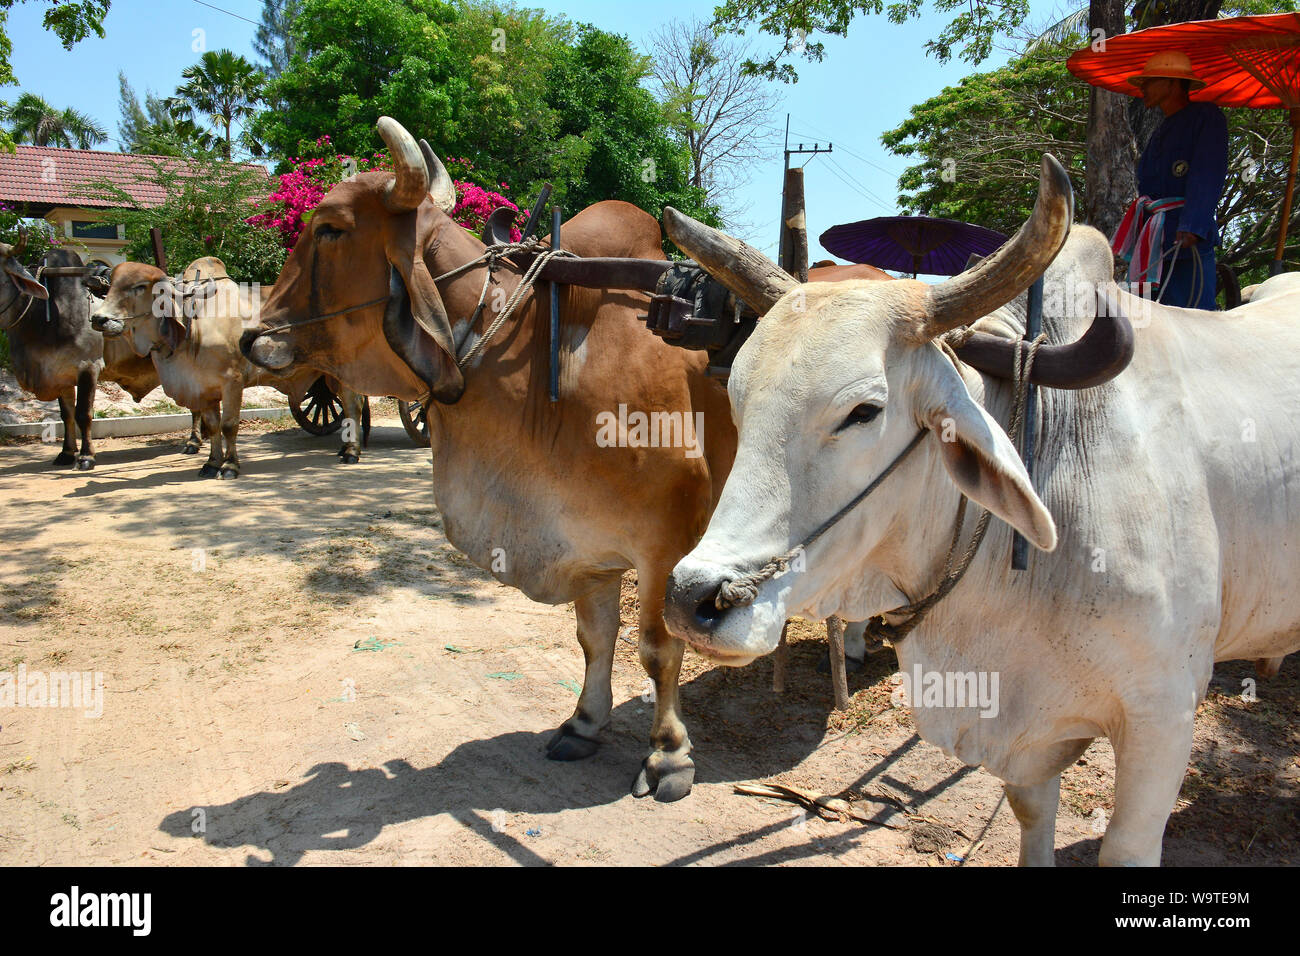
[49,176]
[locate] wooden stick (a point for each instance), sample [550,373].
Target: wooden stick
[839,677]
[778,663]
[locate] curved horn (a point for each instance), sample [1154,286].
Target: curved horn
[441,189]
[1015,265]
[21,247]
[744,270]
[410,178]
[1096,357]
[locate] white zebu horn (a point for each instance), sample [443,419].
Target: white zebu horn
[441,189]
[753,277]
[1015,265]
[410,178]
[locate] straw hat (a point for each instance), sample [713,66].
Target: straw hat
[1169,65]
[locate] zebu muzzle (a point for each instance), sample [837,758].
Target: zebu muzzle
[107,325]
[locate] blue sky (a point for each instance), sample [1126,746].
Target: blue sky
[865,86]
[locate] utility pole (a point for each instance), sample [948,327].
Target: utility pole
[793,254]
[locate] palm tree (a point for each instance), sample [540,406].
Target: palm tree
[224,87]
[33,120]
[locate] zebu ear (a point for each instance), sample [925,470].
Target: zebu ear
[23,280]
[982,461]
[172,325]
[415,321]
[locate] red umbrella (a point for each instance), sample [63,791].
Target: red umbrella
[1244,61]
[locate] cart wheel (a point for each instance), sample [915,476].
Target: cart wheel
[1229,287]
[321,412]
[414,421]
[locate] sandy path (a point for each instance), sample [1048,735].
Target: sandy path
[298,669]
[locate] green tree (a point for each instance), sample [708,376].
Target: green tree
[978,146]
[33,120]
[973,28]
[223,87]
[273,41]
[70,20]
[630,150]
[526,98]
[206,213]
[152,129]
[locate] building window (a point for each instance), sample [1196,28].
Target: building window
[93,230]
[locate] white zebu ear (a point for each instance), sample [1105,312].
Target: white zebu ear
[982,461]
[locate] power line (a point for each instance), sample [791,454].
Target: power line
[227,12]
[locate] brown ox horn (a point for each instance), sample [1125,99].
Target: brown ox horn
[22,243]
[753,277]
[1015,265]
[441,189]
[410,177]
[1097,356]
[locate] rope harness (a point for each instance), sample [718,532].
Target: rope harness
[41,271]
[743,591]
[492,256]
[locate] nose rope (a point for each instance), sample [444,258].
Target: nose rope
[743,591]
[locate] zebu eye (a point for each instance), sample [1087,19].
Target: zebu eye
[328,232]
[862,414]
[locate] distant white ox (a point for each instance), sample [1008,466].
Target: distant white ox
[1166,504]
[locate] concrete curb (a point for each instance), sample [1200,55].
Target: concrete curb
[133,425]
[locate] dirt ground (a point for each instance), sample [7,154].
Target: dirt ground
[298,669]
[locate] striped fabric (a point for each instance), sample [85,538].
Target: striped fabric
[1138,239]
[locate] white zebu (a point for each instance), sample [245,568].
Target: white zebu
[1175,490]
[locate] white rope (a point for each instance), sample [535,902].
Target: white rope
[492,256]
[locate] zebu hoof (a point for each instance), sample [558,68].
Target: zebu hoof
[567,745]
[347,458]
[209,471]
[668,776]
[229,472]
[65,458]
[190,449]
[85,463]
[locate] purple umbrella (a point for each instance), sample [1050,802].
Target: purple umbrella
[915,244]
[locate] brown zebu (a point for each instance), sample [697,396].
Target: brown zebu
[523,486]
[191,331]
[55,352]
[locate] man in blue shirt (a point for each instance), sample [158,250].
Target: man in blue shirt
[1187,157]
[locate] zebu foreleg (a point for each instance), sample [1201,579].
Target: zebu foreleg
[669,771]
[1150,763]
[211,415]
[85,419]
[354,408]
[68,401]
[1035,810]
[232,403]
[597,630]
[195,441]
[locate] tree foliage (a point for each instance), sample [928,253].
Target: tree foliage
[273,41]
[206,213]
[224,88]
[33,120]
[527,98]
[70,20]
[719,109]
[978,146]
[974,26]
